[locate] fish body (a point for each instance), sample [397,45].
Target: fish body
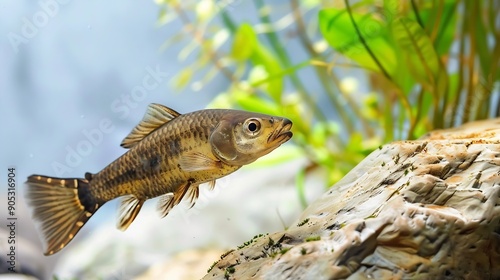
[169,155]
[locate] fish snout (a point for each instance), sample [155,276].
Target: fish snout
[282,133]
[286,124]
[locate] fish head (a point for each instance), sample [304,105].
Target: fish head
[242,137]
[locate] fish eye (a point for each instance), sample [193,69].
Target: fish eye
[252,126]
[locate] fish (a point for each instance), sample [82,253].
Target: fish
[169,155]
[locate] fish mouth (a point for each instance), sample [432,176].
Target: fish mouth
[283,134]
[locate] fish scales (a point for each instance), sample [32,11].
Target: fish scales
[166,144]
[169,155]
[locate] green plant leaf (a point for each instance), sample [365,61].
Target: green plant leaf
[262,56]
[183,78]
[321,132]
[293,108]
[402,78]
[391,9]
[337,29]
[282,74]
[221,100]
[427,104]
[254,103]
[481,37]
[257,74]
[445,14]
[244,42]
[453,87]
[417,49]
[447,27]
[246,46]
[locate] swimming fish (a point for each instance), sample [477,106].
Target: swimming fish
[169,155]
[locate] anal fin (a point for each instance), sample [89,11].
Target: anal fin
[211,185]
[129,208]
[165,204]
[169,200]
[193,194]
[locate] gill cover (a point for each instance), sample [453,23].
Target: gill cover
[243,138]
[222,140]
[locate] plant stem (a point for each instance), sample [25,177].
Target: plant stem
[362,40]
[301,30]
[417,14]
[461,57]
[471,67]
[200,40]
[433,89]
[324,76]
[491,78]
[444,23]
[436,21]
[403,98]
[281,74]
[228,22]
[352,105]
[285,61]
[413,125]
[300,179]
[387,119]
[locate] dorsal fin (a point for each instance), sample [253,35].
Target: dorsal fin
[156,116]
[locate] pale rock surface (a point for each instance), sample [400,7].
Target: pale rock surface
[187,265]
[424,209]
[245,203]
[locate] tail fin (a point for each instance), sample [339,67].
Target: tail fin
[61,206]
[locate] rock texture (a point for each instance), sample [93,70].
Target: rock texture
[424,209]
[187,265]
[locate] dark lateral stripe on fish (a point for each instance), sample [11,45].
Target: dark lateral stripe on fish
[62,206]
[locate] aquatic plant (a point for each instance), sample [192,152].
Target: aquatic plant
[351,75]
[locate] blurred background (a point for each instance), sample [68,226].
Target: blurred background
[352,75]
[68,66]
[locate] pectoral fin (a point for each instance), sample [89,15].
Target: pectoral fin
[195,161]
[129,208]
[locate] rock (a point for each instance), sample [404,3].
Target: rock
[426,209]
[187,265]
[247,202]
